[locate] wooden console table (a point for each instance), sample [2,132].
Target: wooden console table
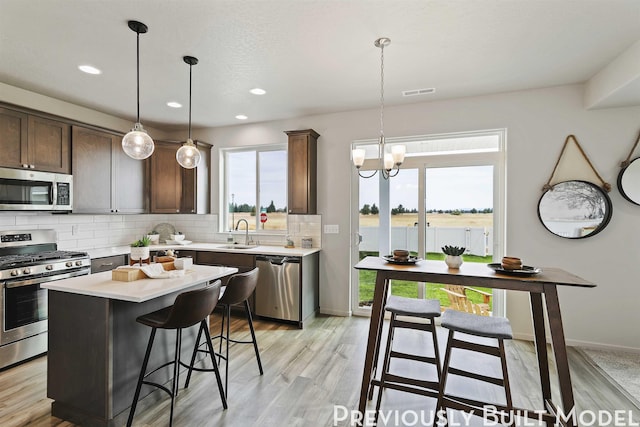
[480,275]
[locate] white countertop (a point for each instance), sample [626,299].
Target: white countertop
[213,247]
[101,285]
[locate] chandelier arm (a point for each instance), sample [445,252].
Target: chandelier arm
[391,174]
[367,176]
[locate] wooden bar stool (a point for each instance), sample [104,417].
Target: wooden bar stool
[189,308]
[416,308]
[238,290]
[497,328]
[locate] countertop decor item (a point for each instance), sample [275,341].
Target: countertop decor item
[188,155]
[137,144]
[140,251]
[525,270]
[453,257]
[404,261]
[165,230]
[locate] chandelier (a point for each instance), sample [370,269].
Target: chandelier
[390,161]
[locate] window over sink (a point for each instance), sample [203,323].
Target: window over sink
[254,182]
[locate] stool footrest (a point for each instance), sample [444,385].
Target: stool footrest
[479,377]
[395,380]
[426,327]
[413,390]
[471,346]
[417,358]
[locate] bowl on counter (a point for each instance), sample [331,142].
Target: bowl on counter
[155,238]
[177,237]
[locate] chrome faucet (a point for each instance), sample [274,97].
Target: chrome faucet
[246,230]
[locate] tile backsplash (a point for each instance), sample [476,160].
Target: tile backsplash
[84,232]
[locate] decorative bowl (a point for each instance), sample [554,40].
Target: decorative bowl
[177,237]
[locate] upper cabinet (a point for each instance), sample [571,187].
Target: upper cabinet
[32,142]
[302,170]
[175,189]
[106,180]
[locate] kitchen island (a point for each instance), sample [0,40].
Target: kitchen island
[96,346]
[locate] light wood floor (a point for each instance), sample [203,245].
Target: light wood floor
[308,374]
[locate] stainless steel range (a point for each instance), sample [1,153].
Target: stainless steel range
[27,259]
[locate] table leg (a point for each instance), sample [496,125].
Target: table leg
[537,313]
[375,325]
[559,348]
[377,351]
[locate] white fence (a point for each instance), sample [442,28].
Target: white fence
[477,240]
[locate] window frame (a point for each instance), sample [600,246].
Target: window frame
[224,201]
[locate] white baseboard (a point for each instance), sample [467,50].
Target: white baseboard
[336,312]
[580,343]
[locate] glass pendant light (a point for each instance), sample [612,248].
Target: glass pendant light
[137,144]
[188,155]
[389,162]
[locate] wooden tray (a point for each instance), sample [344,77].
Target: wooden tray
[130,274]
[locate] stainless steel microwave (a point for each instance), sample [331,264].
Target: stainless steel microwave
[28,190]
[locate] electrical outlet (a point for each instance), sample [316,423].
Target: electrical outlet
[331,229]
[74,230]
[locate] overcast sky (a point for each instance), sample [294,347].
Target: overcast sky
[447,188]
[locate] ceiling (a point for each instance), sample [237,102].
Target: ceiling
[311,56]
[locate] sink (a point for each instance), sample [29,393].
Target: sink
[238,247]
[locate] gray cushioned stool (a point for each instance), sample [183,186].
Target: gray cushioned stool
[483,326]
[418,308]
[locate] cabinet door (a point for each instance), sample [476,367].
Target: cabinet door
[48,145]
[13,138]
[302,172]
[91,170]
[188,196]
[98,265]
[166,179]
[128,176]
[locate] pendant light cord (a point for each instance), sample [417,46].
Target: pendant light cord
[138,73]
[190,67]
[382,90]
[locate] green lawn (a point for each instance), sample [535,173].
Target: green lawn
[410,289]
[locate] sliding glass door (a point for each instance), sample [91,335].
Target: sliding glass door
[448,192]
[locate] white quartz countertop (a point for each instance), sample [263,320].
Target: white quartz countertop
[213,247]
[101,285]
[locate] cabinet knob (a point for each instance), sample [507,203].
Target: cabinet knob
[32,166]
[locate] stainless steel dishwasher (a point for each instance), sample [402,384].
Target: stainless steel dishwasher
[278,290]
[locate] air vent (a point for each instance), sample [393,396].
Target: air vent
[416,92]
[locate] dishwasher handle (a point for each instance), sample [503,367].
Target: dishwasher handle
[278,259]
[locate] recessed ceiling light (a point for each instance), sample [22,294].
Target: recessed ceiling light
[258,91]
[174,104]
[89,69]
[241,117]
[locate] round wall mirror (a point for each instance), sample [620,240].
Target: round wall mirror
[629,181]
[575,209]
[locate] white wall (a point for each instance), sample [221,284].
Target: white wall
[537,122]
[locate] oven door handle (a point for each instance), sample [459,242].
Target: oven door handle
[37,280]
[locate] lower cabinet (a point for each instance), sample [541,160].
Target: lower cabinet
[98,265]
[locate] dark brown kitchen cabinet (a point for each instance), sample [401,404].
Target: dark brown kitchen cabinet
[175,189]
[108,263]
[302,171]
[106,180]
[166,179]
[33,142]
